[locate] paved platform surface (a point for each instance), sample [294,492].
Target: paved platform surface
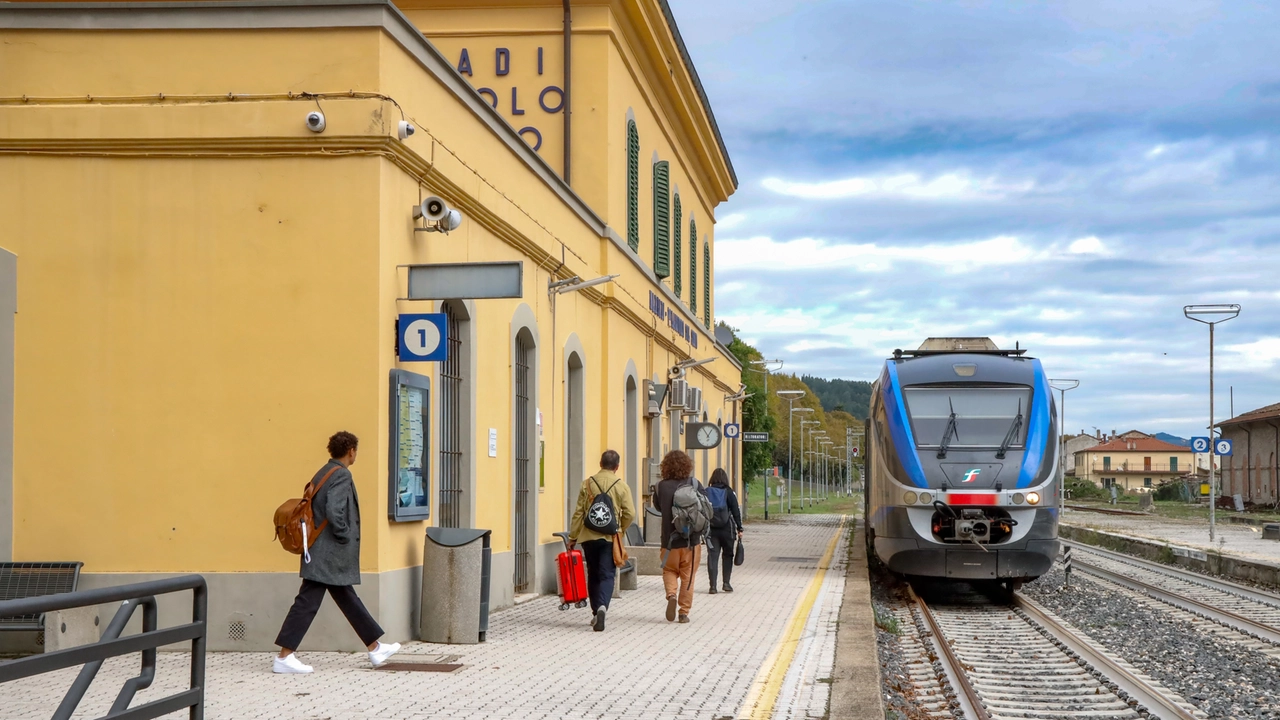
[540,662]
[1230,539]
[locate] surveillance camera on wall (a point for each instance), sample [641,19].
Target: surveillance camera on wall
[315,121]
[404,129]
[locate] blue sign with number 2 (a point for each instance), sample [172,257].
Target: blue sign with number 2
[423,337]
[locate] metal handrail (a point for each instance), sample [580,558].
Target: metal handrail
[112,645]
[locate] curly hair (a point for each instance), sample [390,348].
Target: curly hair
[677,466]
[342,443]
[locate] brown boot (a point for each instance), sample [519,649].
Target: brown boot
[671,607]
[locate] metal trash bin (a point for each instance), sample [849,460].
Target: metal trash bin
[456,564]
[652,526]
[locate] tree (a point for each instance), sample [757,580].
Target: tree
[755,411]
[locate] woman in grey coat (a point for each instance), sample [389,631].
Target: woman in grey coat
[332,564]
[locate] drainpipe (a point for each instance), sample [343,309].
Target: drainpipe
[568,76]
[1275,459]
[1248,453]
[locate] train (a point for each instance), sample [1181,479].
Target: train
[961,467]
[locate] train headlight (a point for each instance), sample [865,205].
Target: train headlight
[1033,498]
[1018,498]
[909,498]
[926,498]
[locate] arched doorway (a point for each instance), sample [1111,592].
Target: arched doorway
[523,418]
[574,431]
[455,420]
[631,430]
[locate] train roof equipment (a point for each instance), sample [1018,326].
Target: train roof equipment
[959,345]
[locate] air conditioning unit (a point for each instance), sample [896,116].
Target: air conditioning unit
[679,394]
[693,403]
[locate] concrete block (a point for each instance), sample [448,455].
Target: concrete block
[71,628]
[1271,531]
[451,592]
[628,581]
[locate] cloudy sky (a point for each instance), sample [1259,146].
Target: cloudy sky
[1064,175]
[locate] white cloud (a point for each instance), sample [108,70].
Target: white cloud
[1088,246]
[730,221]
[910,186]
[765,253]
[1261,354]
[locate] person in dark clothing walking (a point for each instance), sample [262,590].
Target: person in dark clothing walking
[597,548]
[683,555]
[333,563]
[725,521]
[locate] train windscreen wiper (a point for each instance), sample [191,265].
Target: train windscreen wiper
[949,432]
[1012,434]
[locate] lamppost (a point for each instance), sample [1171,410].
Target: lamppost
[790,396]
[765,364]
[1062,386]
[826,469]
[814,437]
[804,451]
[1211,315]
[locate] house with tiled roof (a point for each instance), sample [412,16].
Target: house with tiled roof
[1134,460]
[1251,470]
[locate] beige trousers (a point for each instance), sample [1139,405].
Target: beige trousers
[679,571]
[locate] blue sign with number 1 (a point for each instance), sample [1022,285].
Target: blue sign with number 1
[423,337]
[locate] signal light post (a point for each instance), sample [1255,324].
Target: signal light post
[1211,315]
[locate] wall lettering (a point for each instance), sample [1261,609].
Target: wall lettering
[502,61]
[674,321]
[515,103]
[464,63]
[502,66]
[539,61]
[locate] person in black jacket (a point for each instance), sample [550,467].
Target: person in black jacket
[721,538]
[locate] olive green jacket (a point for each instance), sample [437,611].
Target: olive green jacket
[622,505]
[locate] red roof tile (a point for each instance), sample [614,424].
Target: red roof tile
[1137,445]
[1262,413]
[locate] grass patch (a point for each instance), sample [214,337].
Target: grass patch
[1166,556]
[888,623]
[833,505]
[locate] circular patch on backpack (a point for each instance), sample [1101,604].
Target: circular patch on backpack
[599,515]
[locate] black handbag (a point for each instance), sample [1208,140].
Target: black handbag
[739,555]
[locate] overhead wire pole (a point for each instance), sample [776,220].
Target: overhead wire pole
[790,396]
[1222,312]
[1062,386]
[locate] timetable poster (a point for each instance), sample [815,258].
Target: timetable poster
[412,433]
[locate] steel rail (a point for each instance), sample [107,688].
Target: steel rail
[1234,620]
[1105,511]
[1248,593]
[968,697]
[1137,688]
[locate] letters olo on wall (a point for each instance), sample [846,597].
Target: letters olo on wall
[521,80]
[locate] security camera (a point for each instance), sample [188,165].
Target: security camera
[432,209]
[315,121]
[450,221]
[404,129]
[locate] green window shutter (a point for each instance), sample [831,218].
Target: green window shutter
[661,219]
[677,280]
[693,265]
[706,284]
[633,186]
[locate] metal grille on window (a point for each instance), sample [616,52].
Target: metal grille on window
[677,280]
[693,265]
[451,482]
[523,451]
[661,219]
[633,186]
[706,284]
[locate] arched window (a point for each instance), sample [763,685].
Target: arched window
[661,219]
[706,283]
[677,280]
[633,186]
[693,265]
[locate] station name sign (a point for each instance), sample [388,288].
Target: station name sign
[674,321]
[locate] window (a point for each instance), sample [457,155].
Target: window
[452,390]
[1173,463]
[1146,482]
[693,265]
[706,284]
[983,416]
[1106,464]
[410,491]
[677,280]
[661,219]
[633,186]
[1146,464]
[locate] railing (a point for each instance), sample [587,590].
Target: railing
[112,645]
[1137,467]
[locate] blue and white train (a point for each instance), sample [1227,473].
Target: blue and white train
[962,464]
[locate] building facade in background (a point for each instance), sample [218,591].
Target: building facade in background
[207,287]
[1254,465]
[1133,461]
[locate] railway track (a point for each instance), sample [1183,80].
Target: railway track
[1020,661]
[1243,608]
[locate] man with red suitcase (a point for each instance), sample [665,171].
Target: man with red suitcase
[604,509]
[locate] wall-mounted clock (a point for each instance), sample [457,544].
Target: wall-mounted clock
[701,436]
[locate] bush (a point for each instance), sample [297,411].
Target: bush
[1078,489]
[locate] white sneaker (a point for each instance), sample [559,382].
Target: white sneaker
[290,665]
[383,652]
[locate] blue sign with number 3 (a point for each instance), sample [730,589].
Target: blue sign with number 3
[1222,446]
[423,337]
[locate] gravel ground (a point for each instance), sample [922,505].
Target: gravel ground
[887,596]
[1223,678]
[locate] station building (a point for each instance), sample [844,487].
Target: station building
[197,287]
[1252,471]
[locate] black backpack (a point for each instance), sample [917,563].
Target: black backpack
[601,516]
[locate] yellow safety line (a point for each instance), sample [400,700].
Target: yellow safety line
[768,683]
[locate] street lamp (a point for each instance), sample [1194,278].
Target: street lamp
[826,468]
[1211,315]
[815,437]
[790,396]
[1062,386]
[804,452]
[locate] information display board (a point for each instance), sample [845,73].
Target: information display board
[410,487]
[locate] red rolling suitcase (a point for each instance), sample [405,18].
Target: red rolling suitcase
[571,576]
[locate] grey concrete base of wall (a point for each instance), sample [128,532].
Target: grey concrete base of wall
[1212,563]
[855,678]
[649,559]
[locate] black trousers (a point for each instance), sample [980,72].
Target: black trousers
[597,555]
[720,542]
[307,604]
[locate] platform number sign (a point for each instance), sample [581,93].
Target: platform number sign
[1200,444]
[422,337]
[1222,447]
[732,430]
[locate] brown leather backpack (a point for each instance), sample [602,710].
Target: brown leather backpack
[295,523]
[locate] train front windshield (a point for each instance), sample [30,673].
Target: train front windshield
[969,418]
